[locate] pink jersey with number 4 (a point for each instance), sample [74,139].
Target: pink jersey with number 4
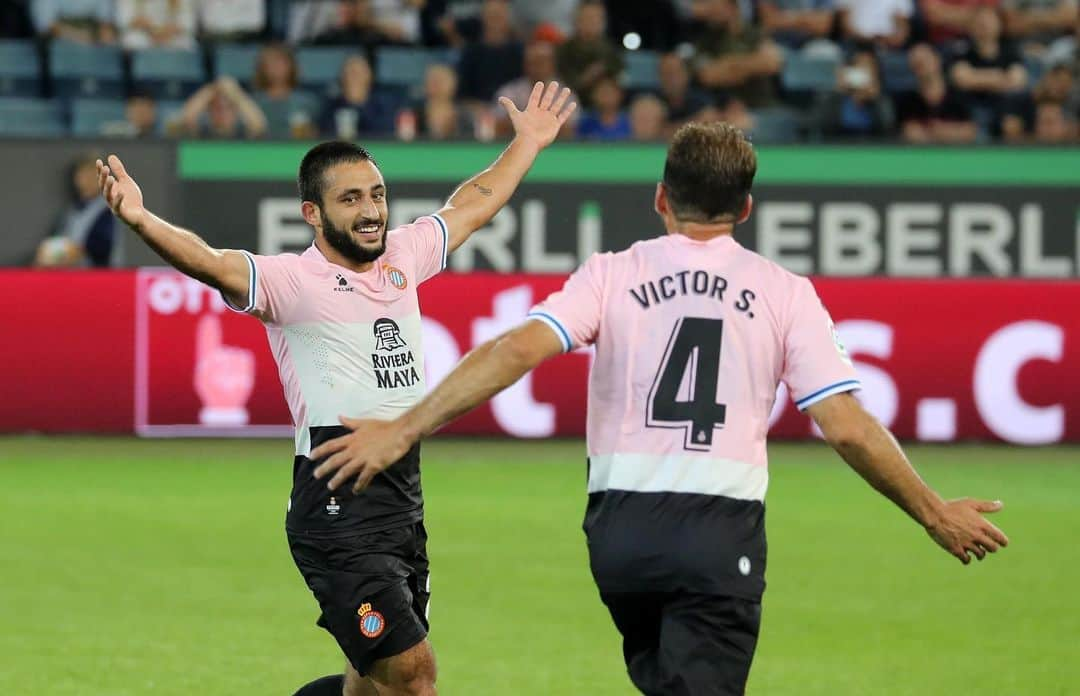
[692,339]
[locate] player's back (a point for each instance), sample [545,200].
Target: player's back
[692,339]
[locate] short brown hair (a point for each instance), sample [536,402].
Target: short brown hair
[262,81]
[709,170]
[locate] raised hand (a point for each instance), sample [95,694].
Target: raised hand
[544,115]
[962,529]
[120,191]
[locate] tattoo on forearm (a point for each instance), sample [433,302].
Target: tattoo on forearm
[484,190]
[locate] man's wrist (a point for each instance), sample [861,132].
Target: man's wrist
[526,145]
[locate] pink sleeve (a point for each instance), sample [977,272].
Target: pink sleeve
[573,313]
[816,365]
[273,287]
[427,240]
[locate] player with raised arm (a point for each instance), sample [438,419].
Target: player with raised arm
[693,334]
[343,322]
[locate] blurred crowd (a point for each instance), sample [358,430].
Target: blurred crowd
[954,71]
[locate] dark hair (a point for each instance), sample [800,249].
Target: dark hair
[310,180]
[709,170]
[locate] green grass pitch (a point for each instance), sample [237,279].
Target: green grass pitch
[138,567]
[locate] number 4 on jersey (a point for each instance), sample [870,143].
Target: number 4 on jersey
[694,346]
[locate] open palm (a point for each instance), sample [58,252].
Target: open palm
[120,191]
[544,115]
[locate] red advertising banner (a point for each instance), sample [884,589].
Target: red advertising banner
[155,353]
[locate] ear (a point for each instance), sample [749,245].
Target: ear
[746,209]
[660,203]
[312,214]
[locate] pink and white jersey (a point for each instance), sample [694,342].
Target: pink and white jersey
[692,339]
[349,343]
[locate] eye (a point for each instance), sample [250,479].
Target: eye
[349,200]
[379,196]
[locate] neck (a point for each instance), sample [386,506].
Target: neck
[338,259]
[699,231]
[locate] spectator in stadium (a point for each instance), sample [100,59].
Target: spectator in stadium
[141,114]
[991,76]
[884,23]
[655,22]
[358,110]
[683,102]
[358,27]
[289,112]
[557,14]
[85,234]
[949,20]
[539,67]
[81,21]
[156,23]
[857,108]
[735,58]
[454,23]
[15,20]
[606,120]
[495,59]
[794,23]
[648,118]
[231,20]
[221,109]
[308,19]
[588,55]
[399,19]
[934,113]
[1039,22]
[1053,125]
[438,114]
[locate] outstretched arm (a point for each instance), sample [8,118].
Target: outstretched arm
[228,271]
[477,200]
[374,445]
[956,525]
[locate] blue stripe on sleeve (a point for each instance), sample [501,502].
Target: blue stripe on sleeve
[846,385]
[554,323]
[445,239]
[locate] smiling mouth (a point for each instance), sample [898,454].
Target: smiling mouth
[370,231]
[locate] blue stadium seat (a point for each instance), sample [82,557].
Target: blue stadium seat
[896,75]
[167,111]
[404,68]
[642,70]
[805,74]
[31,118]
[93,117]
[319,67]
[776,125]
[20,69]
[167,73]
[1035,69]
[86,71]
[236,60]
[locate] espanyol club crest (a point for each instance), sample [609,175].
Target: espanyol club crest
[397,278]
[372,622]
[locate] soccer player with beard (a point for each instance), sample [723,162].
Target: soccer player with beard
[344,325]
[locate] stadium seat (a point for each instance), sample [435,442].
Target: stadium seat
[896,75]
[776,125]
[86,71]
[24,117]
[167,73]
[167,111]
[1035,69]
[642,70]
[404,68]
[319,67]
[92,117]
[236,60]
[809,74]
[20,69]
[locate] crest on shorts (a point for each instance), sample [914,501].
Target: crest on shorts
[372,622]
[388,335]
[397,278]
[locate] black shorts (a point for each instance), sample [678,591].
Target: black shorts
[686,644]
[373,589]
